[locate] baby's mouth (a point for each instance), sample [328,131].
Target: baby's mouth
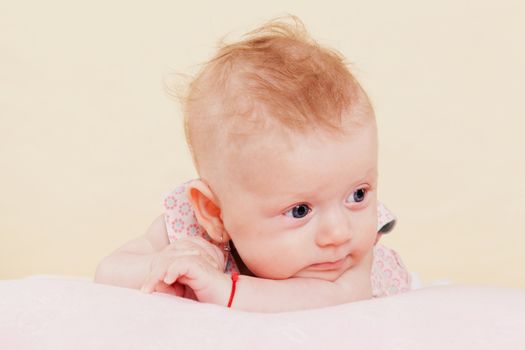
[329,265]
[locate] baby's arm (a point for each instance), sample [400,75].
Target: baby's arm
[262,295]
[130,265]
[210,285]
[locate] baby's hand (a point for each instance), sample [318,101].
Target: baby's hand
[190,266]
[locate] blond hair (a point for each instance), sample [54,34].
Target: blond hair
[276,75]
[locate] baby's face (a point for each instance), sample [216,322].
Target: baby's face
[304,211]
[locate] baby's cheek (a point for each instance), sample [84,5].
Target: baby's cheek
[270,266]
[367,240]
[372,234]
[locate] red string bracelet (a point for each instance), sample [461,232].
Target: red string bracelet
[235,277]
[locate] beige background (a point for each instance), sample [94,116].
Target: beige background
[89,142]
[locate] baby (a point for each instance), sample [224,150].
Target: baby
[284,140]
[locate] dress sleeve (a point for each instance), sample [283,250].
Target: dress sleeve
[179,216]
[385,219]
[389,275]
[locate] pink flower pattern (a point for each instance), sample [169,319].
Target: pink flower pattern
[170,202]
[194,230]
[177,225]
[185,209]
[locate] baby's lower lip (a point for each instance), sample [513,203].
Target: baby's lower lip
[333,265]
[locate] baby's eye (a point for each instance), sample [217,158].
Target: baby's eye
[358,195]
[299,211]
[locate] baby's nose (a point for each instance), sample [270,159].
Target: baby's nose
[335,229]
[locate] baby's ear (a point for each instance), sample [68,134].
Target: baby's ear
[207,210]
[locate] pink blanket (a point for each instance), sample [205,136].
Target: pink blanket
[44,312]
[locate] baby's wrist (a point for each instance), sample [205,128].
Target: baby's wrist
[223,291]
[355,283]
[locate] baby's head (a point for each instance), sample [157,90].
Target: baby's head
[284,140]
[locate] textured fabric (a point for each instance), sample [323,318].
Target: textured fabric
[44,312]
[389,276]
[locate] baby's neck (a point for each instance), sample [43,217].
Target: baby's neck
[243,269]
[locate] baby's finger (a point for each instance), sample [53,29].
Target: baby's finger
[180,268]
[207,256]
[151,282]
[173,289]
[214,252]
[183,244]
[182,251]
[210,260]
[187,247]
[158,270]
[149,285]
